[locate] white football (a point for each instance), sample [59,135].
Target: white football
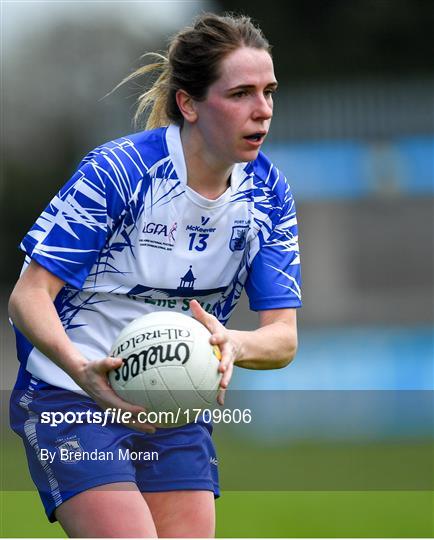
[169,366]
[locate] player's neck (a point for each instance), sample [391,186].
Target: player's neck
[205,174]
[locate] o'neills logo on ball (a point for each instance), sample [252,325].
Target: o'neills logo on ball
[137,363]
[169,334]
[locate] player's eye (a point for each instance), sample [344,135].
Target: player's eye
[269,92]
[240,93]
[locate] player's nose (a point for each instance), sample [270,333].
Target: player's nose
[263,108]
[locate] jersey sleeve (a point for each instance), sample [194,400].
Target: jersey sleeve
[274,278]
[68,236]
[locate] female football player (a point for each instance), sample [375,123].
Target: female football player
[180,216]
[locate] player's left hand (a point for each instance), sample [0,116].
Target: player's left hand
[221,337]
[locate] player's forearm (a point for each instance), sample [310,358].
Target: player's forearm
[33,313]
[269,347]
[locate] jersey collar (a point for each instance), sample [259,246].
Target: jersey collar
[174,145]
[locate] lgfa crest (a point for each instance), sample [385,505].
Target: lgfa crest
[239,238]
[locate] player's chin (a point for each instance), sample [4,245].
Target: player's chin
[248,155]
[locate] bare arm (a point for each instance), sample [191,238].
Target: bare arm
[271,346]
[33,312]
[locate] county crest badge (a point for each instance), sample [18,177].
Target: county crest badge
[70,446]
[239,238]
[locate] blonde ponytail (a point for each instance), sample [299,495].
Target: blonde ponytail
[154,98]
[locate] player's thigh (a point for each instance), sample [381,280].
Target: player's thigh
[187,514]
[115,510]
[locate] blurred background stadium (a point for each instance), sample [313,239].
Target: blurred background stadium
[341,443]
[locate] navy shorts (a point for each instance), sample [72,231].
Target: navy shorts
[73,457]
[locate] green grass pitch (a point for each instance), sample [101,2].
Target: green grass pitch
[270,514]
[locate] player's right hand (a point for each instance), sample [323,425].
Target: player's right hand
[93,379]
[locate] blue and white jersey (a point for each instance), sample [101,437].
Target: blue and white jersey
[128,236]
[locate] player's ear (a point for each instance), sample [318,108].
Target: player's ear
[186,105]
